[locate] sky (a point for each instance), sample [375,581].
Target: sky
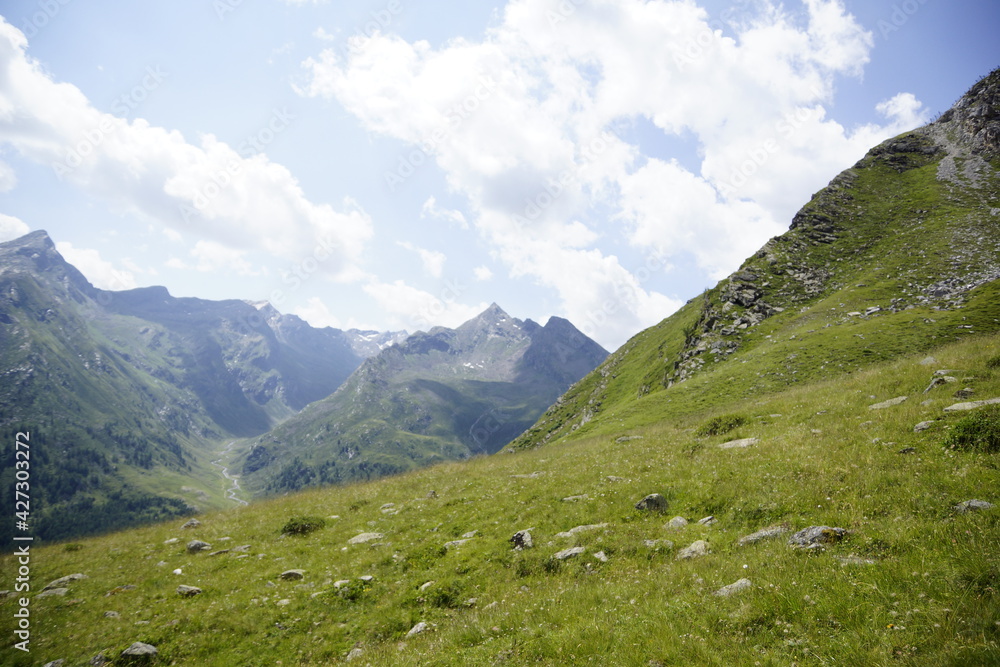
[389,164]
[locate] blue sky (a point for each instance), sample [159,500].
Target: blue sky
[397,165]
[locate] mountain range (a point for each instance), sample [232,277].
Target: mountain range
[443,395]
[138,391]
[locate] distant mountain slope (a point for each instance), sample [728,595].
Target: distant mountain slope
[898,254]
[442,395]
[130,390]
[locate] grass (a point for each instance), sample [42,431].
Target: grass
[929,594]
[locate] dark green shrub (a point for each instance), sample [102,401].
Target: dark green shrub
[303,525]
[993,362]
[720,425]
[979,432]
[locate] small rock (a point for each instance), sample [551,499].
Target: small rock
[367,578]
[427,584]
[178,571]
[742,443]
[656,544]
[62,581]
[242,547]
[965,393]
[696,550]
[677,523]
[533,475]
[219,553]
[188,591]
[581,529]
[707,521]
[284,603]
[455,543]
[908,450]
[417,629]
[469,535]
[734,588]
[172,540]
[569,553]
[55,663]
[763,534]
[601,556]
[354,654]
[573,499]
[52,591]
[341,583]
[191,523]
[922,426]
[194,546]
[928,361]
[815,537]
[140,650]
[961,407]
[365,537]
[613,478]
[111,614]
[522,540]
[293,575]
[99,660]
[654,502]
[888,404]
[972,506]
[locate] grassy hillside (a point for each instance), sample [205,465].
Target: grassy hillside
[897,255]
[913,582]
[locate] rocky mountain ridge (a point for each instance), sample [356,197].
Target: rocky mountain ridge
[440,395]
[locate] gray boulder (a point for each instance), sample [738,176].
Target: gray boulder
[522,540]
[696,550]
[815,537]
[194,546]
[734,588]
[188,591]
[972,506]
[654,502]
[62,581]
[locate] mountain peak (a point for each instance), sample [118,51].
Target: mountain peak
[977,114]
[494,312]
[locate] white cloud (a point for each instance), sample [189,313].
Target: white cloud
[320,33]
[522,123]
[102,274]
[482,273]
[8,179]
[212,256]
[208,189]
[413,309]
[432,260]
[11,228]
[430,209]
